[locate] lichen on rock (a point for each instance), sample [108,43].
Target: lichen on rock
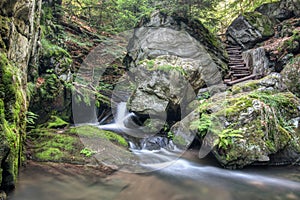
[250,126]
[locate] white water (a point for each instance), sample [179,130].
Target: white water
[121,118]
[172,164]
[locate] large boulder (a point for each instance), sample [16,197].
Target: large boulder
[291,76]
[18,25]
[257,122]
[257,60]
[249,29]
[281,10]
[170,59]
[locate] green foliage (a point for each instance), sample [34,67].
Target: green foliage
[94,132]
[56,147]
[225,138]
[56,122]
[153,65]
[30,119]
[170,135]
[87,152]
[179,140]
[223,13]
[12,115]
[202,125]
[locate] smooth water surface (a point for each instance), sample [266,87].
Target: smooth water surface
[184,179]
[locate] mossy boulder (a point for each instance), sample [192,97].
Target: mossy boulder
[252,126]
[77,145]
[170,58]
[291,75]
[12,121]
[249,29]
[280,10]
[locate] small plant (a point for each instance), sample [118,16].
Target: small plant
[30,119]
[87,152]
[170,135]
[225,137]
[56,122]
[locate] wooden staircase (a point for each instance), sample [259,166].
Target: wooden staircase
[238,71]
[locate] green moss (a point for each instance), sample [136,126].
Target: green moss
[13,118]
[179,140]
[50,154]
[153,65]
[94,132]
[87,152]
[261,22]
[4,31]
[48,145]
[245,87]
[56,122]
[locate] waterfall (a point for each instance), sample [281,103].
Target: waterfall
[124,123]
[257,61]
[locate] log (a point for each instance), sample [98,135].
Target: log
[239,68]
[241,79]
[236,64]
[233,48]
[241,74]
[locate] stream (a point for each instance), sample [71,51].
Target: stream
[187,178]
[166,175]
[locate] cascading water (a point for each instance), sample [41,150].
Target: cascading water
[171,164]
[172,177]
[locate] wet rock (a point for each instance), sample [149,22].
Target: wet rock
[154,143]
[182,135]
[249,29]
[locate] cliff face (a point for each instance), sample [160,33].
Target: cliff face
[18,44]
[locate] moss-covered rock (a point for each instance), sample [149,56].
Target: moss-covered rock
[249,29]
[18,42]
[79,145]
[12,121]
[291,75]
[249,127]
[4,32]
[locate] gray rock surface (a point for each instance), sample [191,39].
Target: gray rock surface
[281,10]
[169,63]
[249,29]
[19,21]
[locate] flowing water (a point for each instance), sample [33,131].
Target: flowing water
[167,176]
[184,179]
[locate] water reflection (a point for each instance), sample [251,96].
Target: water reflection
[183,180]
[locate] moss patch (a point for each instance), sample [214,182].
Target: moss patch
[94,132]
[71,145]
[261,22]
[249,126]
[12,120]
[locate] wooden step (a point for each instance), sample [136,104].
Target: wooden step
[236,58]
[238,64]
[234,51]
[241,74]
[239,68]
[241,79]
[233,48]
